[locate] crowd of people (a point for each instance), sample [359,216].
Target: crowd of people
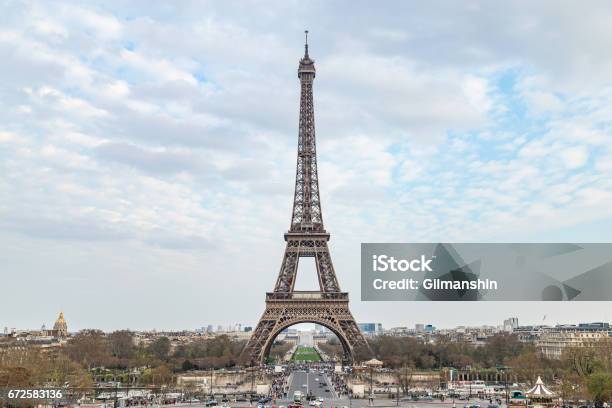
[339,384]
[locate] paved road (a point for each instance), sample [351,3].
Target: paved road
[355,403]
[309,382]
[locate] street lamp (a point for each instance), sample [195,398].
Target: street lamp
[211,383]
[450,380]
[371,399]
[506,385]
[504,371]
[397,395]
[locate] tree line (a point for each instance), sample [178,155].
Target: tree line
[93,356]
[581,372]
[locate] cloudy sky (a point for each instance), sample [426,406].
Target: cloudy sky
[147,149]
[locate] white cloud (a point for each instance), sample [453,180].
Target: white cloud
[116,89]
[543,101]
[50,28]
[410,170]
[157,68]
[103,25]
[67,104]
[9,137]
[575,157]
[476,92]
[160,142]
[536,91]
[394,93]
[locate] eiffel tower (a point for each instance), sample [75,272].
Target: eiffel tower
[306,238]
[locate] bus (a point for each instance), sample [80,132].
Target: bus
[297,396]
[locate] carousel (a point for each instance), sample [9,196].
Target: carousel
[539,395]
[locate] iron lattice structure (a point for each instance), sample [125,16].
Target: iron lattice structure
[306,238]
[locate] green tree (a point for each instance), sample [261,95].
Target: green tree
[582,360]
[90,348]
[122,344]
[526,366]
[600,386]
[18,377]
[161,375]
[160,348]
[63,370]
[187,365]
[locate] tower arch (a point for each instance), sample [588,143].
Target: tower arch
[347,350]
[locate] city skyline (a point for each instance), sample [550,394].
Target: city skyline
[230,326]
[148,158]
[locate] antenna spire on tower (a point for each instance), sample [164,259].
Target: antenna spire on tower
[306,44]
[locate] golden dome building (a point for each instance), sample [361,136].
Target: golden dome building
[60,328]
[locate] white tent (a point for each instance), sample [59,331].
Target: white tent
[374,363]
[539,390]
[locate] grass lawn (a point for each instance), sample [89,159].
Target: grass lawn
[306,354]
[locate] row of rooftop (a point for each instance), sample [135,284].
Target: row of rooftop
[550,339]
